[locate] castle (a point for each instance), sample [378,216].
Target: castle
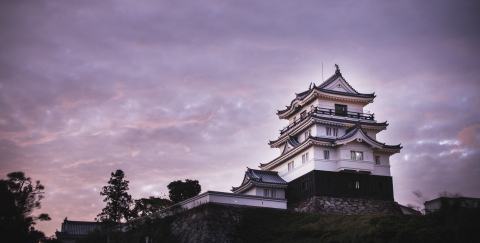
[328,149]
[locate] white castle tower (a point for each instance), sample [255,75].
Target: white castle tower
[329,148]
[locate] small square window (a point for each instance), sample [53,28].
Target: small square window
[290,166]
[305,184]
[354,184]
[329,131]
[326,154]
[304,158]
[335,132]
[308,133]
[356,155]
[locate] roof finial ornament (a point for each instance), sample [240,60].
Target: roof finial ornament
[337,68]
[310,87]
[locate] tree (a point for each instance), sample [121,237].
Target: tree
[145,206]
[179,190]
[18,198]
[117,198]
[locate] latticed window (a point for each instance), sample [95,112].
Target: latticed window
[377,160]
[290,166]
[335,132]
[308,133]
[305,184]
[329,131]
[356,155]
[326,154]
[304,158]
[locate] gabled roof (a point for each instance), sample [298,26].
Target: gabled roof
[259,177]
[346,138]
[77,228]
[290,143]
[301,125]
[324,87]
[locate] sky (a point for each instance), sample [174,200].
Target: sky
[174,90]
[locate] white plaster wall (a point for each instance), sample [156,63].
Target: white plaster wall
[351,106]
[297,159]
[301,135]
[298,171]
[384,167]
[280,192]
[236,199]
[251,191]
[321,131]
[356,146]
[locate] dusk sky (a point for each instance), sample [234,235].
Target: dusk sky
[174,90]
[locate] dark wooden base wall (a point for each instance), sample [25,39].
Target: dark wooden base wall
[341,185]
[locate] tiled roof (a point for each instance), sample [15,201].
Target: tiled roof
[261,176]
[349,133]
[265,176]
[301,95]
[78,227]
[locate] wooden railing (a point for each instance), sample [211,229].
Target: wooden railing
[331,112]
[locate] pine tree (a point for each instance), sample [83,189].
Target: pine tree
[117,198]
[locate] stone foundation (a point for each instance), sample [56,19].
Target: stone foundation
[208,223]
[349,206]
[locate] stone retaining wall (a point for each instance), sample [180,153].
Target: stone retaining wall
[208,223]
[349,206]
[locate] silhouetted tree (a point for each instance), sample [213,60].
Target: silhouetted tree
[179,190]
[117,198]
[145,206]
[18,198]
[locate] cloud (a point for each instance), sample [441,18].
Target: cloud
[174,90]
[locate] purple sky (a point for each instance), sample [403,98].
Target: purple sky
[174,90]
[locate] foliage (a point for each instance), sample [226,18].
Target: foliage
[117,198]
[179,190]
[452,223]
[18,198]
[145,206]
[157,229]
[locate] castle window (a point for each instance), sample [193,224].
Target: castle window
[329,131]
[304,158]
[326,154]
[354,184]
[380,186]
[269,193]
[308,133]
[377,160]
[305,185]
[356,155]
[328,181]
[340,110]
[335,132]
[290,166]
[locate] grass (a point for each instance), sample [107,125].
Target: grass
[451,224]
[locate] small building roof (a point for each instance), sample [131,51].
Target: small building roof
[77,228]
[260,178]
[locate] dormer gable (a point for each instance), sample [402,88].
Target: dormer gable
[339,84]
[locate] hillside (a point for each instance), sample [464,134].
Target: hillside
[219,223]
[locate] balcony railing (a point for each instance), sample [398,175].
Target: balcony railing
[330,111]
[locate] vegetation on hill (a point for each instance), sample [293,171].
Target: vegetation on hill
[452,223]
